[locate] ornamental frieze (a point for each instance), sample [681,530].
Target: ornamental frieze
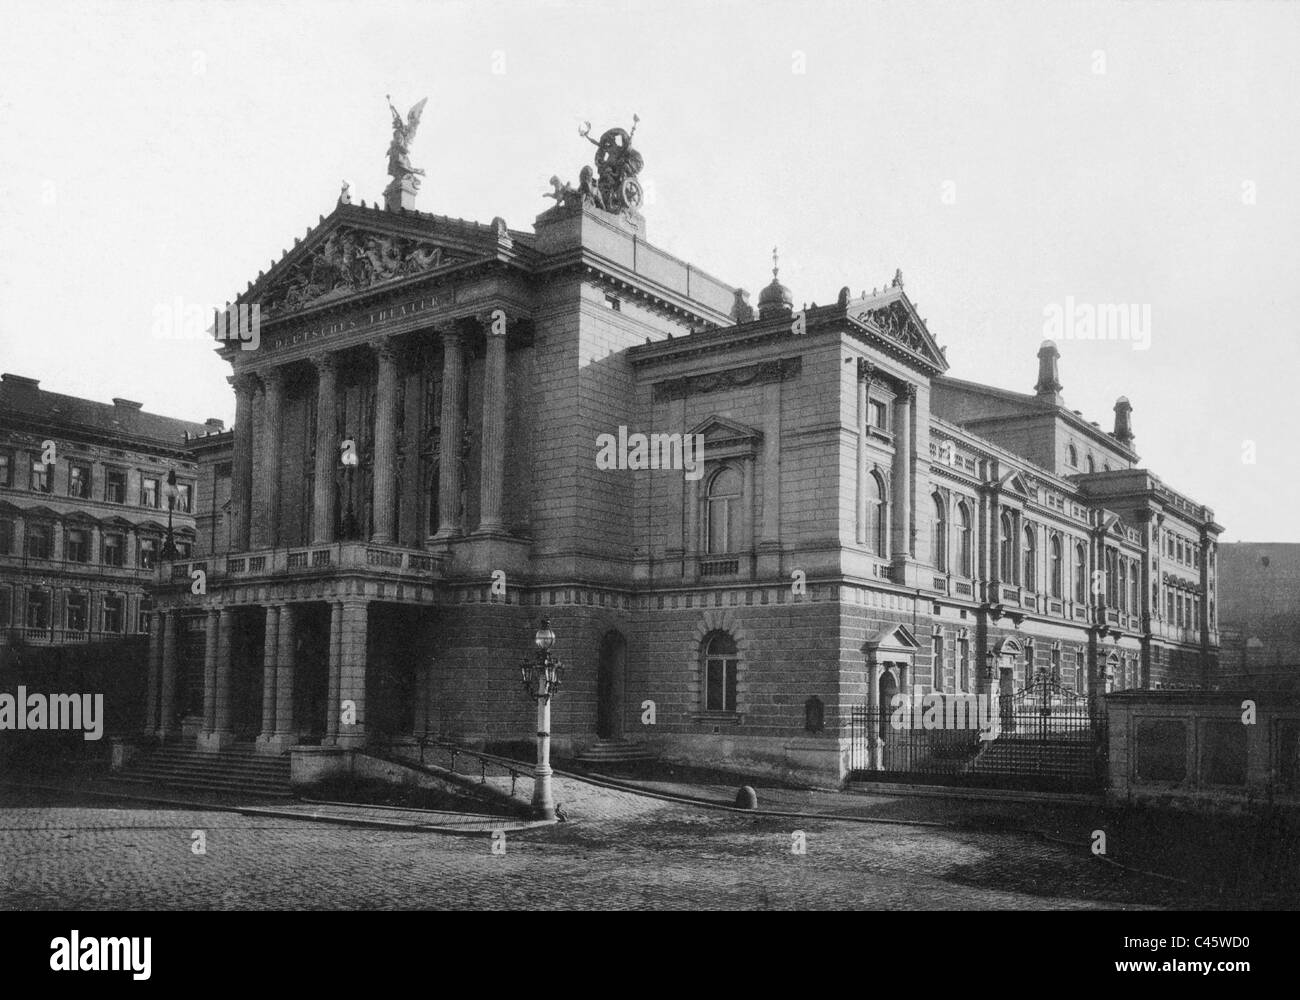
[733,378]
[350,260]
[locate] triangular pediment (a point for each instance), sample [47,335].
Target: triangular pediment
[356,250]
[718,430]
[1018,483]
[894,639]
[892,315]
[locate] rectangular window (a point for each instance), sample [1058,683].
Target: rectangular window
[936,652]
[113,612]
[142,619]
[40,477]
[1169,604]
[79,480]
[76,545]
[148,553]
[720,684]
[40,541]
[149,493]
[113,550]
[115,485]
[6,468]
[184,550]
[76,611]
[183,494]
[963,663]
[6,607]
[38,609]
[877,414]
[6,538]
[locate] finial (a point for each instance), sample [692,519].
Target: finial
[635,121]
[775,263]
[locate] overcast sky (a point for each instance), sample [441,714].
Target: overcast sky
[1008,157]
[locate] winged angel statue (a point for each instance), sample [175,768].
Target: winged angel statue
[399,161]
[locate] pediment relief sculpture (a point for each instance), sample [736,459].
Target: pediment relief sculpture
[350,260]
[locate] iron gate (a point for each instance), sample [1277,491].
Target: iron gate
[1042,737]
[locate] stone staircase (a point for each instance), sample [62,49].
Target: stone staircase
[234,771]
[619,751]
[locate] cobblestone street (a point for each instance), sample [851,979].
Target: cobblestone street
[619,851]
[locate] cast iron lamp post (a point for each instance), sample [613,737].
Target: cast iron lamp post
[170,492]
[542,675]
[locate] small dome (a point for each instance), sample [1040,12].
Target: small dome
[774,300]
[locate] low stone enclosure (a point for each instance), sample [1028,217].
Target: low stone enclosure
[1234,750]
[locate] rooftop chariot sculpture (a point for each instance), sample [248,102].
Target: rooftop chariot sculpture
[612,186]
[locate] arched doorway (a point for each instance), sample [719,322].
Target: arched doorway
[611,680]
[888,689]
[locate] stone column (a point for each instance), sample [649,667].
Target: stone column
[875,744]
[266,529]
[352,671]
[223,733]
[270,657]
[286,732]
[863,416]
[241,479]
[326,450]
[155,664]
[453,430]
[903,472]
[210,671]
[771,529]
[493,448]
[167,703]
[385,465]
[333,708]
[691,488]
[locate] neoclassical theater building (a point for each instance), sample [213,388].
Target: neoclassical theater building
[414,480]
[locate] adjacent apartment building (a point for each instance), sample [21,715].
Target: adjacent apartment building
[83,512]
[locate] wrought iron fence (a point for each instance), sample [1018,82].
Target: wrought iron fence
[1044,736]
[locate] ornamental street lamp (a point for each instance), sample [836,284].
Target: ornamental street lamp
[542,674]
[169,551]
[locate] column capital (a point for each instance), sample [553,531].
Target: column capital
[272,378]
[384,348]
[244,382]
[325,364]
[451,336]
[907,392]
[494,321]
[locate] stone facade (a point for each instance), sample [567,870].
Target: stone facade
[415,479]
[82,535]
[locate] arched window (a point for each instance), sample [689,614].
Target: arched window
[964,539]
[1006,554]
[1091,465]
[939,534]
[1080,574]
[1134,601]
[1072,456]
[1123,584]
[722,523]
[877,522]
[1029,561]
[1056,574]
[720,662]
